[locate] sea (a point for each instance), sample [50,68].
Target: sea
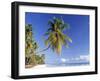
[67,64]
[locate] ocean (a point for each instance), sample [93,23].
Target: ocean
[67,64]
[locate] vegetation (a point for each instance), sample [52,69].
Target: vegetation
[56,38]
[31,59]
[40,59]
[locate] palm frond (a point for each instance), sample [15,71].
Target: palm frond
[56,38]
[69,39]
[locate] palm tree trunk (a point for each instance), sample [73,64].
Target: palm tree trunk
[39,51]
[43,49]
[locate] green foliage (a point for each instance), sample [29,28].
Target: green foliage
[56,38]
[40,59]
[30,48]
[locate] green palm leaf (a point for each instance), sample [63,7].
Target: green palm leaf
[55,36]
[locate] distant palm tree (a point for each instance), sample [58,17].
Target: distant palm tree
[56,38]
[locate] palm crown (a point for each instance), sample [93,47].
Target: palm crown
[56,37]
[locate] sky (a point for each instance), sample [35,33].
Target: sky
[78,32]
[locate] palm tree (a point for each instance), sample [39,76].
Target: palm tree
[56,37]
[31,57]
[30,47]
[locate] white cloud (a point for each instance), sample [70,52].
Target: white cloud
[84,57]
[77,58]
[80,58]
[64,60]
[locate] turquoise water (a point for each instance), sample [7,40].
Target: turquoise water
[67,64]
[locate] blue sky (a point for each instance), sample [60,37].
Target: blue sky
[78,32]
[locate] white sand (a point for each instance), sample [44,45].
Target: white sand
[40,66]
[43,69]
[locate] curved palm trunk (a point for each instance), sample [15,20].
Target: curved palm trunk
[43,49]
[39,51]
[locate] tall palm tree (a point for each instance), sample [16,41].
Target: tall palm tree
[30,47]
[56,37]
[31,57]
